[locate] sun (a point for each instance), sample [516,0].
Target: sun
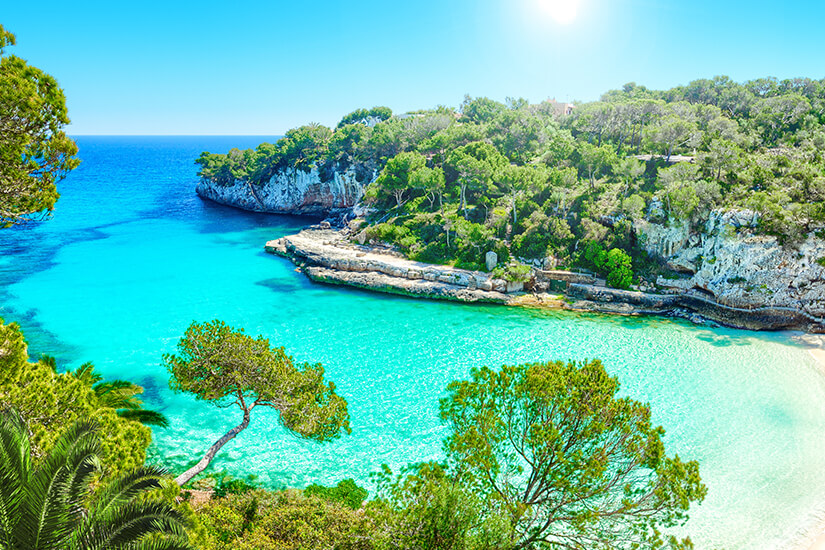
[562,11]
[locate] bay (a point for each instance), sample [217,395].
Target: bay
[132,256]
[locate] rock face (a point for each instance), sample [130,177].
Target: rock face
[728,263]
[290,191]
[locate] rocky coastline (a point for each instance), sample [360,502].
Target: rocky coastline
[291,191]
[328,256]
[722,269]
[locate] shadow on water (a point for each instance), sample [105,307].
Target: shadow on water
[219,218]
[40,341]
[722,340]
[282,284]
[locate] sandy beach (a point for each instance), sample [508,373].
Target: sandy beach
[817,351]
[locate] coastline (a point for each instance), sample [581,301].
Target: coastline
[328,256]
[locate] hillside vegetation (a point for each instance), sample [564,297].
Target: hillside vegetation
[529,181]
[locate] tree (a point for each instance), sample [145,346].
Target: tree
[619,268]
[630,170]
[426,506]
[227,367]
[395,177]
[675,129]
[50,402]
[431,181]
[475,165]
[721,155]
[35,153]
[572,464]
[49,504]
[519,179]
[596,160]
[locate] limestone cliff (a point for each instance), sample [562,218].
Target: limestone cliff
[727,261]
[290,191]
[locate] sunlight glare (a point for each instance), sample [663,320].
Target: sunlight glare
[562,11]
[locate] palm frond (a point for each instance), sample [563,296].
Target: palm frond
[56,488]
[118,394]
[125,488]
[166,543]
[15,467]
[145,417]
[129,523]
[87,373]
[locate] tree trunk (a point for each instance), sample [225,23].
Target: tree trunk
[213,450]
[513,202]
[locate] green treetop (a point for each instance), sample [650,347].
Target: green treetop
[35,153]
[228,368]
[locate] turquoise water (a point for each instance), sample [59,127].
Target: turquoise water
[132,256]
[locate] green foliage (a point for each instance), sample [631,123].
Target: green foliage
[396,179]
[49,503]
[287,520]
[821,261]
[227,367]
[615,264]
[51,402]
[228,485]
[347,492]
[365,116]
[514,273]
[551,446]
[35,152]
[427,507]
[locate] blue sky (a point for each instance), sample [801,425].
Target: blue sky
[170,67]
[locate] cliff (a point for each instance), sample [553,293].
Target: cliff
[290,191]
[726,261]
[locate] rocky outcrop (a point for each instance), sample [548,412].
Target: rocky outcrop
[690,305]
[726,262]
[325,255]
[290,191]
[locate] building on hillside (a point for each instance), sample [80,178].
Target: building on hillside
[561,109]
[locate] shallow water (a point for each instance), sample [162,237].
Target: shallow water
[132,256]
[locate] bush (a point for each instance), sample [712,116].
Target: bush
[231,486]
[286,520]
[347,492]
[513,273]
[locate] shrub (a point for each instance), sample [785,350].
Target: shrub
[347,492]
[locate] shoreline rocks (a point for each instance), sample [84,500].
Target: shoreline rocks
[326,256]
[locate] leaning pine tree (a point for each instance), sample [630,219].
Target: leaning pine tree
[230,368]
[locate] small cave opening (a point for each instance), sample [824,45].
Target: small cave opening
[705,292]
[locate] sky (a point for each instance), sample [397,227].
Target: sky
[261,67]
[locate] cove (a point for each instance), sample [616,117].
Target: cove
[132,256]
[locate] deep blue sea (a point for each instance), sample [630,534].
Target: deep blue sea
[132,256]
